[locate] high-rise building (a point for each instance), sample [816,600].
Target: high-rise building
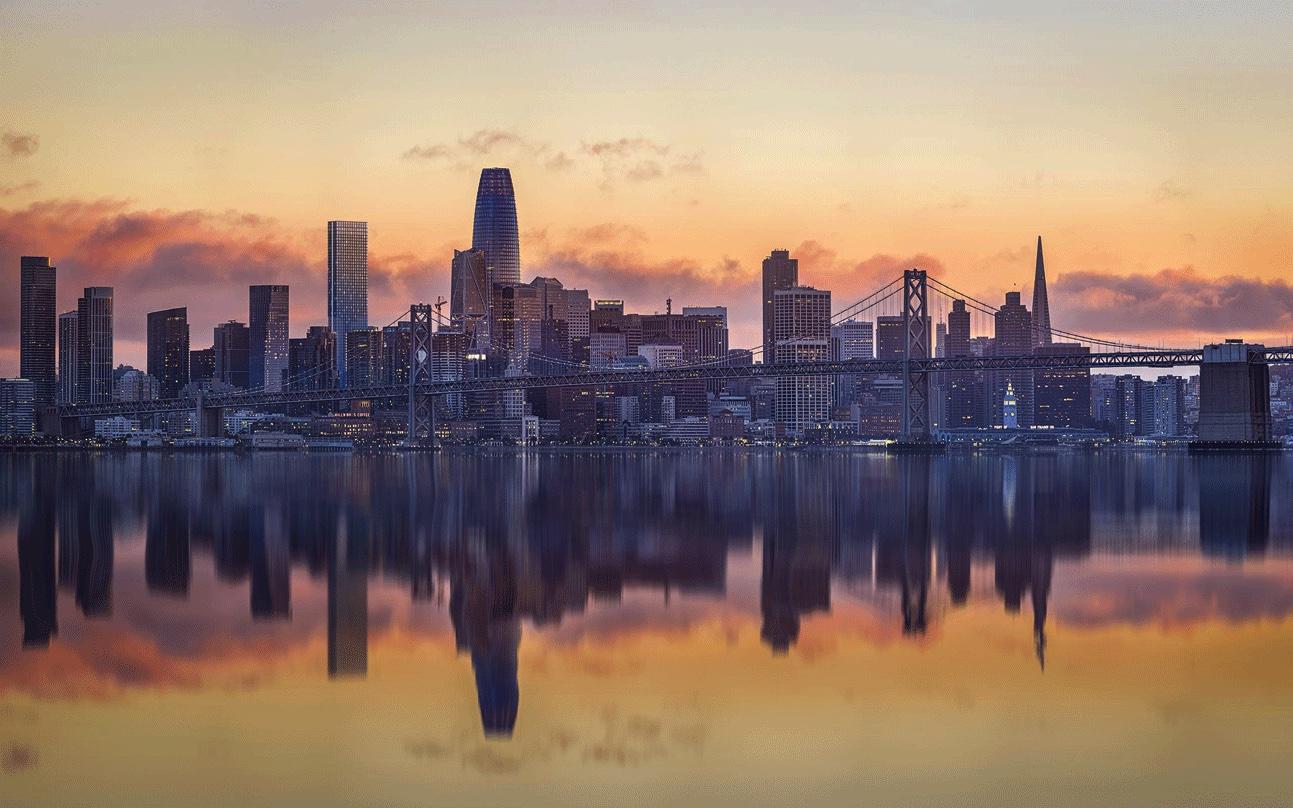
[1062,396]
[94,346]
[347,283]
[1169,406]
[890,339]
[231,354]
[397,343]
[135,385]
[802,333]
[202,365]
[1041,305]
[469,297]
[1131,416]
[168,350]
[494,230]
[516,328]
[68,345]
[267,336]
[17,408]
[780,271]
[1013,336]
[577,309]
[37,327]
[964,399]
[364,351]
[312,360]
[851,339]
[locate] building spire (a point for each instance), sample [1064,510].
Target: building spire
[1041,306]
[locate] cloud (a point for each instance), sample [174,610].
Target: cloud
[1168,191]
[19,188]
[1173,300]
[18,757]
[634,159]
[20,144]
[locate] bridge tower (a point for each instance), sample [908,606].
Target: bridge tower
[1234,395]
[915,383]
[421,405]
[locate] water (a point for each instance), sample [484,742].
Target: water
[632,628]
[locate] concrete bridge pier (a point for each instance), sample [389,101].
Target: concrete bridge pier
[210,420]
[1234,397]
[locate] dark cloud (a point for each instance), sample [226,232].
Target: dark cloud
[20,144]
[1174,300]
[18,757]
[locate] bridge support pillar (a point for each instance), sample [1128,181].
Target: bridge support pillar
[210,420]
[421,430]
[1234,396]
[915,382]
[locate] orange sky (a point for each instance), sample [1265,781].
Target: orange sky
[180,155]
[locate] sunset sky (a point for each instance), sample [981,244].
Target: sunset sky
[657,151]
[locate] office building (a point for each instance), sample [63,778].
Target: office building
[1041,304]
[364,348]
[37,328]
[202,365]
[780,271]
[168,350]
[469,298]
[802,333]
[516,323]
[1169,406]
[232,361]
[1013,336]
[347,284]
[494,229]
[135,385]
[68,345]
[1062,396]
[964,388]
[267,336]
[312,360]
[94,346]
[17,408]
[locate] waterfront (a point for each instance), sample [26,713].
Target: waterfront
[702,627]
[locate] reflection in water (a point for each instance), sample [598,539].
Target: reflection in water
[509,538]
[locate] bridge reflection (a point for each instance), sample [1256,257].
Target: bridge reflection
[510,539]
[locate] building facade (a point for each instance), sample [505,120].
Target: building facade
[347,283]
[267,334]
[68,345]
[38,317]
[802,333]
[232,361]
[94,346]
[780,271]
[168,350]
[494,230]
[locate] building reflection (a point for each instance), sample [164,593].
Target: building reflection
[502,541]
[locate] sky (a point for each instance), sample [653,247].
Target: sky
[181,154]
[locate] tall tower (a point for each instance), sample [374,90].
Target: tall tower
[494,230]
[780,271]
[347,284]
[1041,306]
[267,334]
[168,349]
[94,346]
[38,317]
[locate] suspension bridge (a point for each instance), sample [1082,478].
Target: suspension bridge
[915,295]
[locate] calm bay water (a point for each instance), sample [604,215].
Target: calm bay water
[714,627]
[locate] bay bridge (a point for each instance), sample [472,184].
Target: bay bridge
[912,293]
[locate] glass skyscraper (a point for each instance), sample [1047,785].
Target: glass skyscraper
[347,283]
[38,317]
[94,346]
[494,231]
[268,334]
[168,349]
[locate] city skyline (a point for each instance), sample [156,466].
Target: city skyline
[645,170]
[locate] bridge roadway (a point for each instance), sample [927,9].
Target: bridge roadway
[598,378]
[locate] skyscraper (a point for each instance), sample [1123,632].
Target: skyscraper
[1013,337]
[1041,306]
[964,407]
[67,348]
[1062,396]
[267,335]
[38,318]
[802,333]
[469,297]
[231,354]
[780,271]
[347,283]
[494,231]
[312,360]
[94,346]
[168,349]
[364,356]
